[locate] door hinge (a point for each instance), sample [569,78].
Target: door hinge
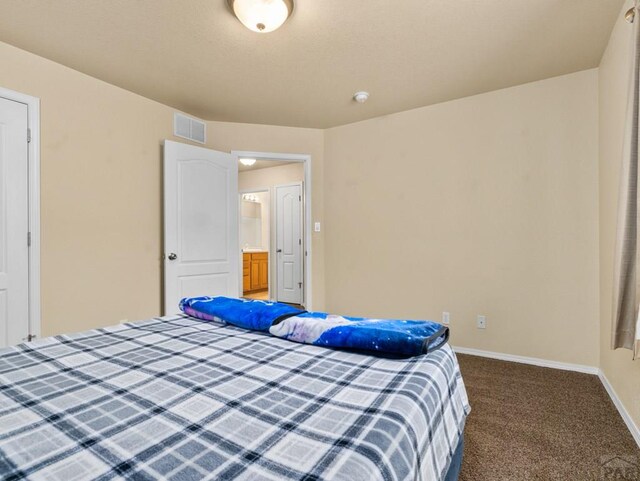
[28,239]
[300,198]
[28,136]
[299,242]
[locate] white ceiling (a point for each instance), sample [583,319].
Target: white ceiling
[195,56]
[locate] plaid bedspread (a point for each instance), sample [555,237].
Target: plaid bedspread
[180,399]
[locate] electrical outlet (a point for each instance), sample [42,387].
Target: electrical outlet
[445,318]
[482,322]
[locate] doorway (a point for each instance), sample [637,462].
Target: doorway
[255,235]
[274,198]
[19,218]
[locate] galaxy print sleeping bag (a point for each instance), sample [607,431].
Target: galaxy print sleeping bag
[386,336]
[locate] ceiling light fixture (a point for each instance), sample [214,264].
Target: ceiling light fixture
[247,162]
[630,16]
[262,16]
[250,197]
[361,97]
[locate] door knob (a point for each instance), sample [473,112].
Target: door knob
[279,250]
[172,257]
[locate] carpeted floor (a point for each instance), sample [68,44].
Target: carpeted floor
[532,423]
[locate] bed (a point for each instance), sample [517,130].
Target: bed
[178,398]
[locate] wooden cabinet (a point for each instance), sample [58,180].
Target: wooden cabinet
[255,275]
[255,271]
[263,273]
[246,272]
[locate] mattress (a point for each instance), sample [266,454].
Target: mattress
[178,398]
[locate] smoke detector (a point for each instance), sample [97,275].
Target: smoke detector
[361,97]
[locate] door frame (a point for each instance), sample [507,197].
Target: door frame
[33,152]
[306,201]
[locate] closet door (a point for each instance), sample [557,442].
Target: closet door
[14,223]
[289,243]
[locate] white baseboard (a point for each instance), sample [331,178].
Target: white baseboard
[528,360]
[635,431]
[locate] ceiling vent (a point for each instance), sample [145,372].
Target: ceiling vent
[189,128]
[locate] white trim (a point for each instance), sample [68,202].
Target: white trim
[635,430]
[271,156]
[565,366]
[308,221]
[33,123]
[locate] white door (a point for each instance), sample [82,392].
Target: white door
[200,224]
[14,223]
[289,243]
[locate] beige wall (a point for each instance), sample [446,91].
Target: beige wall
[484,205]
[622,372]
[265,208]
[261,178]
[101,191]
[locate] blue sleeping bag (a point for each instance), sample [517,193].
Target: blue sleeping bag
[245,313]
[388,336]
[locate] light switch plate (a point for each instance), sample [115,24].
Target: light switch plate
[316,227]
[445,318]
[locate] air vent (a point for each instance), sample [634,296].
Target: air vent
[189,128]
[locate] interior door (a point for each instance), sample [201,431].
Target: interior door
[289,243]
[14,223]
[200,224]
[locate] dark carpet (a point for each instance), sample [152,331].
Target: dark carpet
[534,423]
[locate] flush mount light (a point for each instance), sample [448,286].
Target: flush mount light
[630,16]
[361,97]
[250,197]
[262,16]
[247,162]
